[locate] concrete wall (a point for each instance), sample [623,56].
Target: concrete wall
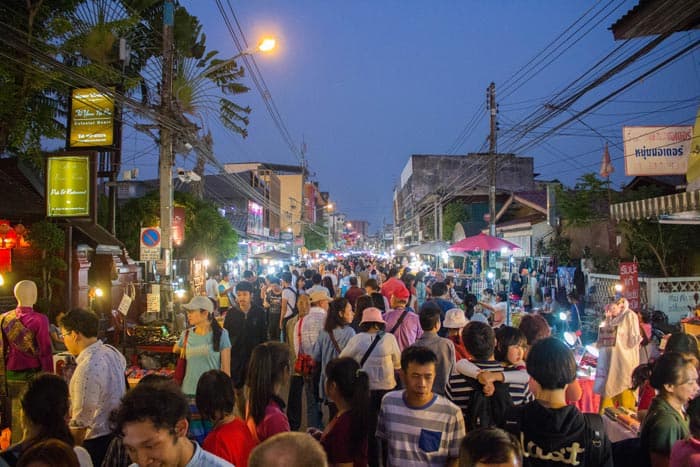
[291,202]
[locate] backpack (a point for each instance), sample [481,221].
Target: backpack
[483,411]
[593,434]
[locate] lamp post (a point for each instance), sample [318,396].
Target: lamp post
[166,159]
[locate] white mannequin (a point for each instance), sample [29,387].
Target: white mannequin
[25,293]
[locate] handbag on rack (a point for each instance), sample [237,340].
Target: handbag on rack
[181,365]
[304,364]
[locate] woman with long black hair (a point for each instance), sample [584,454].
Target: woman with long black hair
[332,340]
[207,347]
[345,437]
[268,372]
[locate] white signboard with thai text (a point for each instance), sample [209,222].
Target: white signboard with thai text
[656,150]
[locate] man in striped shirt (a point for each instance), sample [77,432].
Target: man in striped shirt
[480,342]
[418,427]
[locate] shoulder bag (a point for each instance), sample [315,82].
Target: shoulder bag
[181,365]
[304,364]
[334,342]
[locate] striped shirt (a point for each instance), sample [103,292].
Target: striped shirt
[459,387]
[420,436]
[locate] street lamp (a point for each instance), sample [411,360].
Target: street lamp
[166,156]
[265,45]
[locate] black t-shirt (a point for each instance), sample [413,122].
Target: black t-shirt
[245,330]
[558,437]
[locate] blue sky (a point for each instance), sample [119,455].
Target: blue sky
[368,83]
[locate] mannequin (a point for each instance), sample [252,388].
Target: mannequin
[25,293]
[26,347]
[617,362]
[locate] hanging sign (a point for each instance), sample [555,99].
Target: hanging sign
[91,119]
[629,276]
[68,184]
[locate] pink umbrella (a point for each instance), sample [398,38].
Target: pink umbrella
[482,242]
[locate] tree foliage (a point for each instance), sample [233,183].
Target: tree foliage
[452,214]
[313,238]
[48,239]
[586,203]
[207,233]
[32,102]
[661,249]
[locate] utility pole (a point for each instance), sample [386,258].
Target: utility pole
[166,147]
[491,105]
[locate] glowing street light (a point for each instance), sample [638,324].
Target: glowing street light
[267,44]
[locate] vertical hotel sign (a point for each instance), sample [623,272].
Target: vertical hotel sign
[91,119]
[68,184]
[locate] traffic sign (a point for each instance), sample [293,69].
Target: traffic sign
[150,244]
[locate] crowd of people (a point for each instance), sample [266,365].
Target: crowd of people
[393,368]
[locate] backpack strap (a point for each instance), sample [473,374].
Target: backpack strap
[399,321]
[594,437]
[513,422]
[371,348]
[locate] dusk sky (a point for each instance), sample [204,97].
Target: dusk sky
[368,83]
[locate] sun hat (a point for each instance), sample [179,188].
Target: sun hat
[200,302]
[454,319]
[318,296]
[372,315]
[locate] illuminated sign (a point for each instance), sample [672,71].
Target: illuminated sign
[68,186]
[255,219]
[91,119]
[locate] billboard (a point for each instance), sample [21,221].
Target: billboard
[656,150]
[91,119]
[255,219]
[68,185]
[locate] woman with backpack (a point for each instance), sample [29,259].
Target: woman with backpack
[379,356]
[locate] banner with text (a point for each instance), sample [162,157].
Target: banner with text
[629,276]
[91,119]
[656,150]
[68,185]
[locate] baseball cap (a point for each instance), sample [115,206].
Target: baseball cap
[200,302]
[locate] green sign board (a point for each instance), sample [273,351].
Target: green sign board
[68,186]
[91,119]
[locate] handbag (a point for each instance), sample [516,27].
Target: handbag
[181,365]
[304,364]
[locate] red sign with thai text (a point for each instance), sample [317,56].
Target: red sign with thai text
[629,276]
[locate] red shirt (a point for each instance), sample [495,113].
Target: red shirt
[231,441]
[275,420]
[352,294]
[460,350]
[336,442]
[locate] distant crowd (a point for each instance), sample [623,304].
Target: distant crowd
[393,369]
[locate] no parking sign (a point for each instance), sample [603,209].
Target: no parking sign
[150,244]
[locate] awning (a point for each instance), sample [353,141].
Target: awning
[659,207]
[98,237]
